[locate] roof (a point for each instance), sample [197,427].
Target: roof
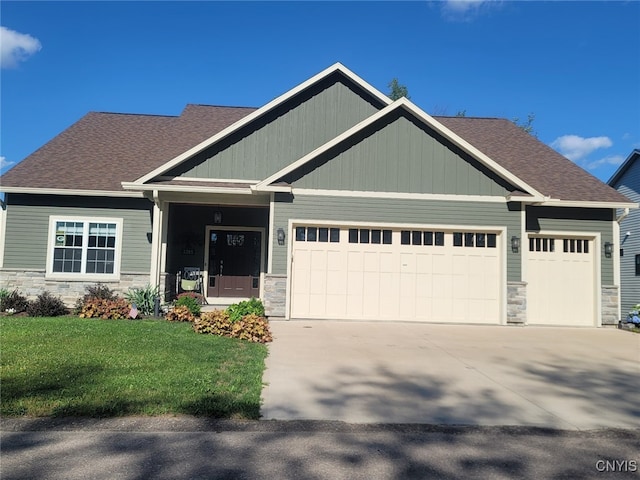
[102,150]
[622,169]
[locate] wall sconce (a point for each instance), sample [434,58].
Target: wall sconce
[217,217]
[515,244]
[281,236]
[608,249]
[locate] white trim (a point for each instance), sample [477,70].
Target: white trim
[205,271]
[3,229]
[272,204]
[579,204]
[428,120]
[156,232]
[73,192]
[616,264]
[524,249]
[211,180]
[110,277]
[186,188]
[337,67]
[400,225]
[273,188]
[399,195]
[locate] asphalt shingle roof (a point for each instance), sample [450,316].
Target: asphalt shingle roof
[102,150]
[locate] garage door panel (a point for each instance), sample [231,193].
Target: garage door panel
[418,276]
[561,286]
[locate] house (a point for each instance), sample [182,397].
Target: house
[329,202]
[626,180]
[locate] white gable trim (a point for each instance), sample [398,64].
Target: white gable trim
[337,67]
[72,192]
[428,120]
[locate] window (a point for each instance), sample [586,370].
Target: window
[84,247]
[540,244]
[386,237]
[334,235]
[637,265]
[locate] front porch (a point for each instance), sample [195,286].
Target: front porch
[227,243]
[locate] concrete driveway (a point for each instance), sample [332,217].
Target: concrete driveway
[369,372]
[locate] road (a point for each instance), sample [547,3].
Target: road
[192,448]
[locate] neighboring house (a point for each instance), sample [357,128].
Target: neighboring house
[331,201]
[626,180]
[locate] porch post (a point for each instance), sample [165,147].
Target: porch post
[156,240]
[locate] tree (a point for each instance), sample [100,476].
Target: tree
[397,91]
[528,125]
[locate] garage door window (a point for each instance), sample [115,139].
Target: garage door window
[317,234]
[540,244]
[575,245]
[421,237]
[471,239]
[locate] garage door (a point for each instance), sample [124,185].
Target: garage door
[396,274]
[561,281]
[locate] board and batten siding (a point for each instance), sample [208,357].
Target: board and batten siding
[394,211]
[27,231]
[629,186]
[284,135]
[587,220]
[398,155]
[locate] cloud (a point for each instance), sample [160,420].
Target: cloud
[5,164]
[16,47]
[615,160]
[465,9]
[575,147]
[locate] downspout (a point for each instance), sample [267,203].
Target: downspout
[623,216]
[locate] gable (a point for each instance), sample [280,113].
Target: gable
[285,133]
[627,178]
[398,154]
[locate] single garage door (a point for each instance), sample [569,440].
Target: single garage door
[561,281]
[369,273]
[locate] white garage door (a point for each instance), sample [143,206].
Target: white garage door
[561,281]
[396,274]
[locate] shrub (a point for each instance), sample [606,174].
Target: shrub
[197,296]
[252,328]
[117,309]
[46,305]
[248,307]
[180,313]
[215,323]
[191,303]
[4,293]
[99,291]
[14,301]
[143,298]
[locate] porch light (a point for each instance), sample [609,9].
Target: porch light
[281,236]
[608,249]
[217,217]
[515,244]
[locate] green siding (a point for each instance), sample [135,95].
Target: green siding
[282,136]
[398,155]
[384,210]
[28,227]
[589,220]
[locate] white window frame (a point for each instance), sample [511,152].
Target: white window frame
[115,276]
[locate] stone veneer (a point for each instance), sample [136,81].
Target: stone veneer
[275,295]
[516,303]
[32,282]
[610,306]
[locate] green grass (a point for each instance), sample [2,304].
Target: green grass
[68,366]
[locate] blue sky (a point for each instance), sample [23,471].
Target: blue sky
[574,65]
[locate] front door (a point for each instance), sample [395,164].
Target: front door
[233,266]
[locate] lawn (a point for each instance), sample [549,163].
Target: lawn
[68,366]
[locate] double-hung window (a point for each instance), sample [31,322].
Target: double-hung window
[84,247]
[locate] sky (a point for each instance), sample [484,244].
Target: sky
[574,66]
